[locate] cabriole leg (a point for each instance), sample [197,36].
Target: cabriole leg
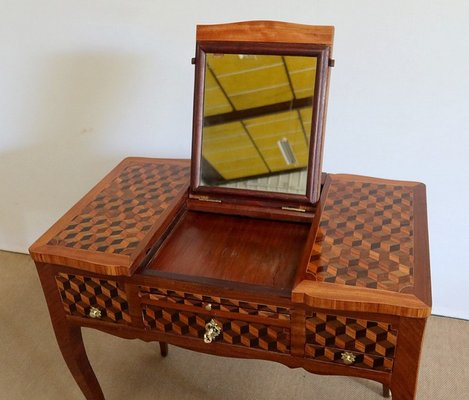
[386,392]
[163,349]
[406,362]
[73,351]
[68,337]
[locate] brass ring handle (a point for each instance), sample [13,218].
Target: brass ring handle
[212,330]
[348,358]
[95,312]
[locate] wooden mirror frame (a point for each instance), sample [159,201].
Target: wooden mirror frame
[264,38]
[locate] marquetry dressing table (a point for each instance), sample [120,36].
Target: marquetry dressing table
[248,250]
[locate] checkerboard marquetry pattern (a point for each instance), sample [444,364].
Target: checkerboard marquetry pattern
[328,336]
[80,293]
[234,332]
[365,236]
[120,216]
[216,303]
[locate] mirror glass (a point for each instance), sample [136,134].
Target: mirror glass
[257,115]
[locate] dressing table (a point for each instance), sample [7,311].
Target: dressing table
[248,250]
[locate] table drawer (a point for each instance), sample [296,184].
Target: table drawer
[252,335]
[166,297]
[361,360]
[89,297]
[331,337]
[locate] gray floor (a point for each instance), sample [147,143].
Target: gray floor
[32,367]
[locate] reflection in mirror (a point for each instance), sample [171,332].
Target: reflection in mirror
[257,121]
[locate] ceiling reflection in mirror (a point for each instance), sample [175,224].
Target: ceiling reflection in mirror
[257,121]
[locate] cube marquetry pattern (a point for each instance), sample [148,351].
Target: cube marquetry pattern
[80,293]
[362,360]
[365,236]
[120,216]
[328,336]
[234,332]
[217,303]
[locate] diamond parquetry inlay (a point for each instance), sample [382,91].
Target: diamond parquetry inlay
[235,332]
[80,293]
[365,236]
[119,217]
[328,336]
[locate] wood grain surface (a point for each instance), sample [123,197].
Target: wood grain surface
[234,249]
[267,31]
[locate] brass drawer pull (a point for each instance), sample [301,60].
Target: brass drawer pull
[348,357]
[212,330]
[208,307]
[95,312]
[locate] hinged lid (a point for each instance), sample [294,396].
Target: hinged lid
[110,230]
[259,109]
[368,249]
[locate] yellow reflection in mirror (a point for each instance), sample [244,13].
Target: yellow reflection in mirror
[257,120]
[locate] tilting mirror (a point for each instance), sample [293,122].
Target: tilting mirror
[257,121]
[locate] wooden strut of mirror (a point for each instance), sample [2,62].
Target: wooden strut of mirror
[248,251]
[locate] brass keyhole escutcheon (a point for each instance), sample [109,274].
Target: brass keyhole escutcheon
[348,358]
[212,330]
[95,312]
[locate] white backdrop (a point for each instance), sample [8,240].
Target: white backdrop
[85,83]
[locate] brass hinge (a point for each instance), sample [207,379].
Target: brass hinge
[297,209]
[204,198]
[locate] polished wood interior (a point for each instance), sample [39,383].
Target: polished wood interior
[233,248]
